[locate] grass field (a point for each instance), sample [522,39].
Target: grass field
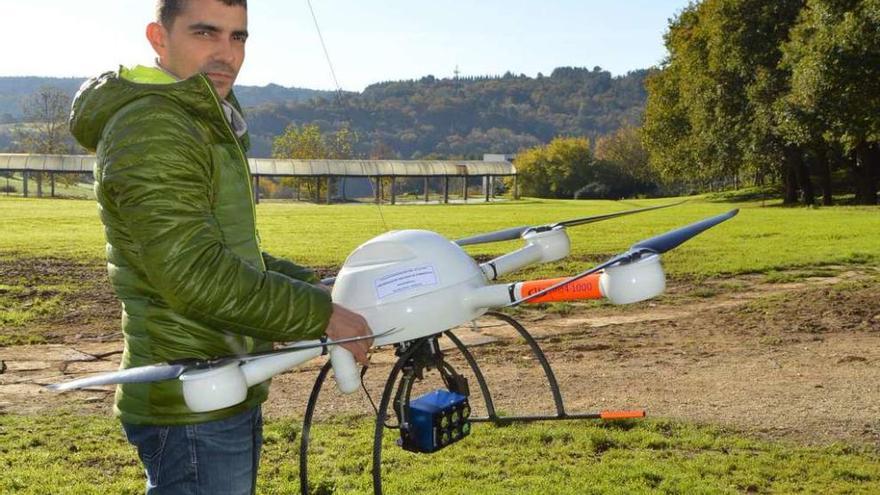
[70,453]
[759,239]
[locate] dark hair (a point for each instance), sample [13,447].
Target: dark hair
[168,10]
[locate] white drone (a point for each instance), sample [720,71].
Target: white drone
[419,284]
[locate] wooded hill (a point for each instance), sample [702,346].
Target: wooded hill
[465,117]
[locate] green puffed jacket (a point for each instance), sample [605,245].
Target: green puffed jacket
[174,194]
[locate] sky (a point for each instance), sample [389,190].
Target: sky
[368,40]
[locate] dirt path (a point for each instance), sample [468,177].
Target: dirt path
[799,361]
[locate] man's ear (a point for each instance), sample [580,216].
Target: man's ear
[156,35]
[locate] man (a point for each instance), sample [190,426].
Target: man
[175,197]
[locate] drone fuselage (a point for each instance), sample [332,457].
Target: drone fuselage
[416,283]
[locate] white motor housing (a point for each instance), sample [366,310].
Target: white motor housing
[227,385]
[633,282]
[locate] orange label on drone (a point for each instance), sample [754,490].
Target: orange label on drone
[585,288]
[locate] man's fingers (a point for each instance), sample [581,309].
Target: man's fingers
[346,324]
[358,351]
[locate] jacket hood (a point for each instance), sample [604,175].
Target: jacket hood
[101,97]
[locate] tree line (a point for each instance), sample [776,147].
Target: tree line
[759,91]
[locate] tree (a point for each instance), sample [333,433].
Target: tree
[300,143]
[834,58]
[309,143]
[45,130]
[624,147]
[710,114]
[555,170]
[341,143]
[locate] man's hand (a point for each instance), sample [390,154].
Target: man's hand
[345,324]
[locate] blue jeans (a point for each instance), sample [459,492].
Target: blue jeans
[217,458]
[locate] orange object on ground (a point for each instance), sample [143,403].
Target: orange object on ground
[585,288]
[622,414]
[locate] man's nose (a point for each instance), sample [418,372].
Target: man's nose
[225,52]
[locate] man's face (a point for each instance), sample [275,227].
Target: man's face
[209,37]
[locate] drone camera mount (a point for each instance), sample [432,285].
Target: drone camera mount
[437,419]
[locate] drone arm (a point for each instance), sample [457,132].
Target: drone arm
[541,247]
[511,262]
[494,296]
[586,288]
[620,284]
[260,369]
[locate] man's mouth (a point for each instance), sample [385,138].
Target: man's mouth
[220,75]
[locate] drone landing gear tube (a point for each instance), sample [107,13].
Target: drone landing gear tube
[539,354]
[561,413]
[475,368]
[307,427]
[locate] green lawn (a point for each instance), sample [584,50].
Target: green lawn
[758,240]
[71,454]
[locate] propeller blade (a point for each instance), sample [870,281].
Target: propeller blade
[140,374]
[497,236]
[670,240]
[598,218]
[658,244]
[517,232]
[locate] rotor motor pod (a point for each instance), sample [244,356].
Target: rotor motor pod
[633,282]
[214,388]
[226,385]
[554,243]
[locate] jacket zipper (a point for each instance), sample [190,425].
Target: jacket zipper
[247,173]
[247,169]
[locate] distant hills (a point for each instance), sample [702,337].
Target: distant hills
[14,89]
[429,117]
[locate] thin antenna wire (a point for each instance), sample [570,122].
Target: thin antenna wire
[324,47]
[339,100]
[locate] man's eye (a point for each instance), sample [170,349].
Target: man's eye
[203,34]
[240,37]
